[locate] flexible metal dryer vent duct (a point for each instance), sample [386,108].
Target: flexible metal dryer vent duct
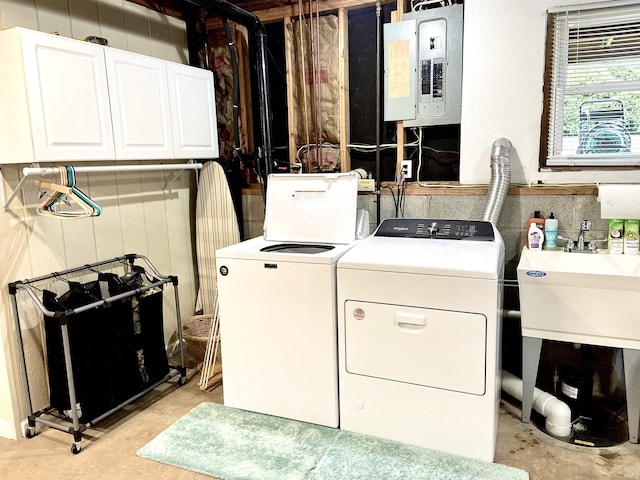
[255,27]
[500,179]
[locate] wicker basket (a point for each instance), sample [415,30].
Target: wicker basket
[195,332]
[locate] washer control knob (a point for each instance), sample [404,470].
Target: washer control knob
[433,228]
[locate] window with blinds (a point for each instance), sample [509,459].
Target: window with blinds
[592,86]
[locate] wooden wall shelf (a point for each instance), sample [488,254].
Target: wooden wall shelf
[454,188]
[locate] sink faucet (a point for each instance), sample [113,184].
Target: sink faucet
[581,245]
[585,226]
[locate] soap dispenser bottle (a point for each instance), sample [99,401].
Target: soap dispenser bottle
[550,231]
[538,222]
[535,237]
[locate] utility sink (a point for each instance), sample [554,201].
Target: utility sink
[580,297]
[586,298]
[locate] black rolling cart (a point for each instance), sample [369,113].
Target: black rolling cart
[104,340]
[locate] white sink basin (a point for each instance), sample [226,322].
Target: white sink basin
[580,297]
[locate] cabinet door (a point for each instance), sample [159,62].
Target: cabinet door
[67,97]
[139,105]
[193,111]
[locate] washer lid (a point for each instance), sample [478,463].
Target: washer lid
[260,250]
[313,208]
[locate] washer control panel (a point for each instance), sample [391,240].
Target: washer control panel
[436,228]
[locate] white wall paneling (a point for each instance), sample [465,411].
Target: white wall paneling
[53,16]
[13,12]
[159,35]
[112,23]
[136,22]
[84,18]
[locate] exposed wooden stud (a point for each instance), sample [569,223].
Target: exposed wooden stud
[401,140]
[343,80]
[245,114]
[289,70]
[396,16]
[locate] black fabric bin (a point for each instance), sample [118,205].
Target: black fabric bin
[116,350]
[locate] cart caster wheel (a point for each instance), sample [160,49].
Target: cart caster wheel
[76,449]
[29,433]
[182,381]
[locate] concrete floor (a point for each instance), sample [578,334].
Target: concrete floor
[109,450]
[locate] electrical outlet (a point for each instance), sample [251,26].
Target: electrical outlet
[406,169]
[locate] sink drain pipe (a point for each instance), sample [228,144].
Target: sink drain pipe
[556,412]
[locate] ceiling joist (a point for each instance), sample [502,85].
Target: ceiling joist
[267,10]
[272,14]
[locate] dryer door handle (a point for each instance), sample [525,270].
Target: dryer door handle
[411,319]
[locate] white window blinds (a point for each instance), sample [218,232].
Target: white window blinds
[594,85]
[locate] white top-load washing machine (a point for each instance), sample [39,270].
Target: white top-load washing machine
[277,300]
[419,326]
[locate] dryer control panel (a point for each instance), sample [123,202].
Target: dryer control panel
[436,228]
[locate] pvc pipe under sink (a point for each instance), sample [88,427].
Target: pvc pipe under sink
[556,412]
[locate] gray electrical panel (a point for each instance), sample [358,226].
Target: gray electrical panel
[423,67]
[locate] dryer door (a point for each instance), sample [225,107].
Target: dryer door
[422,346]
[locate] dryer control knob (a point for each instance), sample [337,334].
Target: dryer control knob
[433,228]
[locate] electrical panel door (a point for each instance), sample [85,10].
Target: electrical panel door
[399,70]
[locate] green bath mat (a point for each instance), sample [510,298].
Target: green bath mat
[234,444]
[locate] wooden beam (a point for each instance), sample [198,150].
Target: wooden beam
[289,69]
[274,14]
[292,10]
[396,16]
[343,85]
[454,188]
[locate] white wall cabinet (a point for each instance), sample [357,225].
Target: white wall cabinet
[139,105]
[191,93]
[65,99]
[55,102]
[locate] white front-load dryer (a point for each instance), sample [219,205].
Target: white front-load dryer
[277,300]
[419,325]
